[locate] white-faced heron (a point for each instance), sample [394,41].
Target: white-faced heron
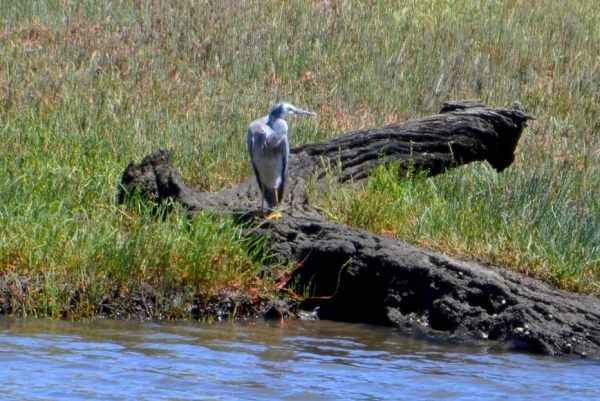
[270,151]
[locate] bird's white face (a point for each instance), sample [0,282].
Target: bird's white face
[285,110]
[288,110]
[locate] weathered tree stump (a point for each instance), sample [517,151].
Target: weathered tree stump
[362,277]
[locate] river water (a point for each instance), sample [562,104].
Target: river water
[293,360]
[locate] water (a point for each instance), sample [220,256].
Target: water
[295,360]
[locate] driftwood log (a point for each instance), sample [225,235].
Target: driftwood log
[358,276]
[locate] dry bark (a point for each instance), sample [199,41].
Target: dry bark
[362,277]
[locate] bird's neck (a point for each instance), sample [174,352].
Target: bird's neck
[279,129]
[274,117]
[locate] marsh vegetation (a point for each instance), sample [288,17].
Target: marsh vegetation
[87,86]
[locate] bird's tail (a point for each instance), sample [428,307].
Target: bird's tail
[273,196]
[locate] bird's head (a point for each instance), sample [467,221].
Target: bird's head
[285,110]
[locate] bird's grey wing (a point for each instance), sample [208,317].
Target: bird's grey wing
[283,152]
[256,131]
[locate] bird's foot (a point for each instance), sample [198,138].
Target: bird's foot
[273,216]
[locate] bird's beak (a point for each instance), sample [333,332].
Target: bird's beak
[306,113]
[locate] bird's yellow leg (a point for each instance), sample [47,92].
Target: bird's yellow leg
[275,215]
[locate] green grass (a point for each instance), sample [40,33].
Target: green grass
[117,248]
[86,86]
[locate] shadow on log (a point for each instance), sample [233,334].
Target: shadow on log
[362,277]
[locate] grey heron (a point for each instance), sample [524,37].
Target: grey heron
[270,151]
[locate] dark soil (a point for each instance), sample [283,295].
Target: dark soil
[134,300]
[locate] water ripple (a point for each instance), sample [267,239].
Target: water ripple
[47,359]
